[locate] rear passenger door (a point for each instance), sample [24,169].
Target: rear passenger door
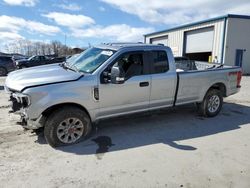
[163,80]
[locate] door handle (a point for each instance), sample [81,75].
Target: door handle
[144,84]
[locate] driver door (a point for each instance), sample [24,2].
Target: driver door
[132,95]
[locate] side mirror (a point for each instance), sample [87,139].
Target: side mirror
[117,75]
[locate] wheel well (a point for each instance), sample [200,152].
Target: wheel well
[49,110]
[221,87]
[23,66]
[4,69]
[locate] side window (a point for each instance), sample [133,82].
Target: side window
[131,64]
[6,58]
[160,62]
[36,58]
[9,59]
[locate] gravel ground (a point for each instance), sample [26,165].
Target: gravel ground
[168,148]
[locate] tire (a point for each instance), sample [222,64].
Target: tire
[3,71]
[22,67]
[71,122]
[211,104]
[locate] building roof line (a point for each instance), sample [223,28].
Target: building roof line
[200,22]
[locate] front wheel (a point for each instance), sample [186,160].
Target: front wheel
[211,104]
[67,126]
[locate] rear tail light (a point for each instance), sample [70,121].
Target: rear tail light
[239,76]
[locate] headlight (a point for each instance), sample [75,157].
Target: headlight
[22,99]
[17,63]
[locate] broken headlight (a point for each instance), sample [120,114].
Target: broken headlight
[22,99]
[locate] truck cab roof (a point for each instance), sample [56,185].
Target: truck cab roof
[138,46]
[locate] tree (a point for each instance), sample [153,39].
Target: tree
[29,48]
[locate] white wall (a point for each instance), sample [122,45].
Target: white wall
[176,37]
[238,37]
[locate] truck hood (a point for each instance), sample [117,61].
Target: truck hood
[41,75]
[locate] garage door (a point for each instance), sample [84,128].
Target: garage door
[160,40]
[200,40]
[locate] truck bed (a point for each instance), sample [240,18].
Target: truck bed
[187,66]
[194,78]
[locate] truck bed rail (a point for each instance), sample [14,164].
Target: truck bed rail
[189,65]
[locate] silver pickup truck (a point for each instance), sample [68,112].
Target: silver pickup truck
[111,80]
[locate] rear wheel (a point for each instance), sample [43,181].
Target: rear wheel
[211,104]
[67,126]
[3,71]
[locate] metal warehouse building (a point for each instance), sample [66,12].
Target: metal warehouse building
[224,39]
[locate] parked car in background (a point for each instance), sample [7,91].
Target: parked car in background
[6,65]
[18,57]
[37,60]
[58,59]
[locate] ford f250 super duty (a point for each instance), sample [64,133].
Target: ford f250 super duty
[111,80]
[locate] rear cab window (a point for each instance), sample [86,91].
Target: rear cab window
[160,62]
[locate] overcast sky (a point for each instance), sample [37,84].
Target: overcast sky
[95,21]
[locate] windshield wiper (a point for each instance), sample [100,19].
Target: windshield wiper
[66,66]
[73,67]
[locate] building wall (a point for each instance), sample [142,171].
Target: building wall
[176,37]
[238,37]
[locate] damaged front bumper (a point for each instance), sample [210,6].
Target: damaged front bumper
[32,124]
[19,104]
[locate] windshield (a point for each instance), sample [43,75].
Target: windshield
[31,57]
[89,60]
[72,59]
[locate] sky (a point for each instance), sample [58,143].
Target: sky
[84,22]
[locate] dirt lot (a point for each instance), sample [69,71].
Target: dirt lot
[170,148]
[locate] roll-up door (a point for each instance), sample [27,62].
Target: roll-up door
[200,40]
[160,40]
